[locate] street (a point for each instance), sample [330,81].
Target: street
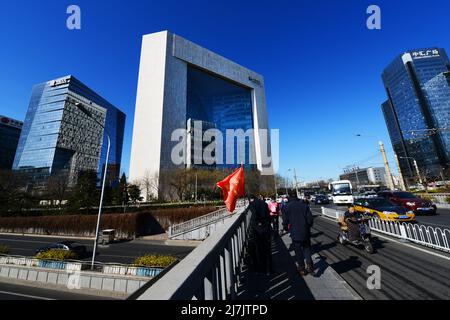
[124,252]
[9,291]
[407,271]
[441,220]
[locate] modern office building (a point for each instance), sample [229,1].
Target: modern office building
[58,136]
[184,86]
[365,176]
[10,130]
[417,112]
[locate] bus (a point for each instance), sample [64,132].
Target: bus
[342,192]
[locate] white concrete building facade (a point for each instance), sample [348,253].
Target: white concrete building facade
[181,81]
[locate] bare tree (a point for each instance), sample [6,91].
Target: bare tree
[150,185]
[57,187]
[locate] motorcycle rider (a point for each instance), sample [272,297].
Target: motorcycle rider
[351,217]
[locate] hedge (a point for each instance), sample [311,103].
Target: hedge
[57,255]
[4,249]
[128,225]
[158,261]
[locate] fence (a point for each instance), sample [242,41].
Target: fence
[428,236]
[439,198]
[212,271]
[104,268]
[202,221]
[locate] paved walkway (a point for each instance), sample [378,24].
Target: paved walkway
[286,284]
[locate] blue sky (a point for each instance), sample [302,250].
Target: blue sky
[322,66]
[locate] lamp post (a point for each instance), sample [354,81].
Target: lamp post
[100,207]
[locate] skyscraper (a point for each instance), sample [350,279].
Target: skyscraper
[58,137]
[417,112]
[182,85]
[10,130]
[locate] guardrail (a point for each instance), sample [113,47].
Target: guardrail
[74,265]
[428,236]
[187,226]
[210,272]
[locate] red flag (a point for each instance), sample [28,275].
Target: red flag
[233,188]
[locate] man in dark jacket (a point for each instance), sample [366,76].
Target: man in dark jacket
[298,220]
[261,234]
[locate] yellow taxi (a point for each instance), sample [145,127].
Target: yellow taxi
[384,210]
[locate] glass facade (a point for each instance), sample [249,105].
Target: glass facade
[57,136]
[9,139]
[225,106]
[416,112]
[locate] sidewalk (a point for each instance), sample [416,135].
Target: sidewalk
[286,284]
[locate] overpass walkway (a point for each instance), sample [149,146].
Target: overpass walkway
[285,283]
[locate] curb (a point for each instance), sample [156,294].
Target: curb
[340,279]
[45,236]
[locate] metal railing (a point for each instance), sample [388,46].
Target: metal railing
[196,223]
[210,272]
[428,236]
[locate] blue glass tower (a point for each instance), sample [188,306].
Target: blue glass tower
[226,105]
[58,137]
[9,138]
[417,112]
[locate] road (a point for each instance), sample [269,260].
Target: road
[408,272]
[441,220]
[10,291]
[125,252]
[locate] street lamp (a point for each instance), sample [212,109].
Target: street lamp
[286,182]
[415,166]
[89,114]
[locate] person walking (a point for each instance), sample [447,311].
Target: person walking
[274,208]
[261,234]
[298,220]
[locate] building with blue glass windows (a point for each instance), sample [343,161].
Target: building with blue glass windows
[417,112]
[10,130]
[184,86]
[58,137]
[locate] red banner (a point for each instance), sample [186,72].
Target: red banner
[233,188]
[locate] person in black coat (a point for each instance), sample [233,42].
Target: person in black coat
[298,220]
[261,234]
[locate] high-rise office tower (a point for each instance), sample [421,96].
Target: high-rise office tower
[184,86]
[417,112]
[58,137]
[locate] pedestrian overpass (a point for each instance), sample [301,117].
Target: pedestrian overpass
[218,270]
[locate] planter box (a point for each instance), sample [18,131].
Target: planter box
[132,271]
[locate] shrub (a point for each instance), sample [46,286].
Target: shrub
[154,261]
[447,199]
[57,255]
[427,198]
[4,249]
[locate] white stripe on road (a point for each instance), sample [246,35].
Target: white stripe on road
[413,246]
[402,243]
[24,295]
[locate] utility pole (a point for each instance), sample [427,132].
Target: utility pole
[400,174]
[390,182]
